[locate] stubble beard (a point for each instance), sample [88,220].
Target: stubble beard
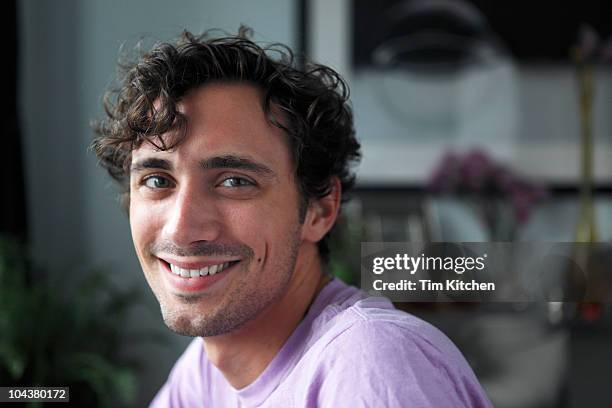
[241,305]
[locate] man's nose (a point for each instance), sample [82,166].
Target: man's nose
[192,216]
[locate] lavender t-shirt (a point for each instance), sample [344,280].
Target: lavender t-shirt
[351,350]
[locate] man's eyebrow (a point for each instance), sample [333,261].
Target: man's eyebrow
[237,162]
[151,163]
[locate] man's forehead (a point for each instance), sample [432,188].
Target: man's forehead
[242,103]
[221,119]
[216,97]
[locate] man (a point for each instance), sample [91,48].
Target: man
[234,165]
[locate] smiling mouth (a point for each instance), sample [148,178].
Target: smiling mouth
[205,271]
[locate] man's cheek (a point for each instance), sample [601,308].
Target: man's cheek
[142,228]
[255,235]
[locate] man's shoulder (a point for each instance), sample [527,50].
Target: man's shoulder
[374,324]
[360,318]
[369,349]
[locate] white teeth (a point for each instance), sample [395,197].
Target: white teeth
[194,273]
[213,269]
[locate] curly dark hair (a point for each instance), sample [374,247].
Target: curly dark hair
[313,102]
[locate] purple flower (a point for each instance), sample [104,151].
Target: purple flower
[476,169]
[476,173]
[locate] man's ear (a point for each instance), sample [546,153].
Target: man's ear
[322,213]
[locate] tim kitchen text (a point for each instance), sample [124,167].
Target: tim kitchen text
[429,285]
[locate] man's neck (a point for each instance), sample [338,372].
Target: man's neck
[244,354]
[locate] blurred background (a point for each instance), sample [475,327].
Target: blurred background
[480,121]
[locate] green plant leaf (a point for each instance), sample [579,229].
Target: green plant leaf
[12,360]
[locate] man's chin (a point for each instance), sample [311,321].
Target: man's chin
[183,329]
[184,323]
[194,321]
[187,327]
[187,319]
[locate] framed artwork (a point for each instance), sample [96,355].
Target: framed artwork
[428,78]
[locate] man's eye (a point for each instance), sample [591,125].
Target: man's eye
[157,182]
[236,182]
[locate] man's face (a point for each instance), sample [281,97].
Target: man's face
[222,208]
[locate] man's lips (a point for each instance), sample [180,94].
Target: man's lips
[199,264]
[195,276]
